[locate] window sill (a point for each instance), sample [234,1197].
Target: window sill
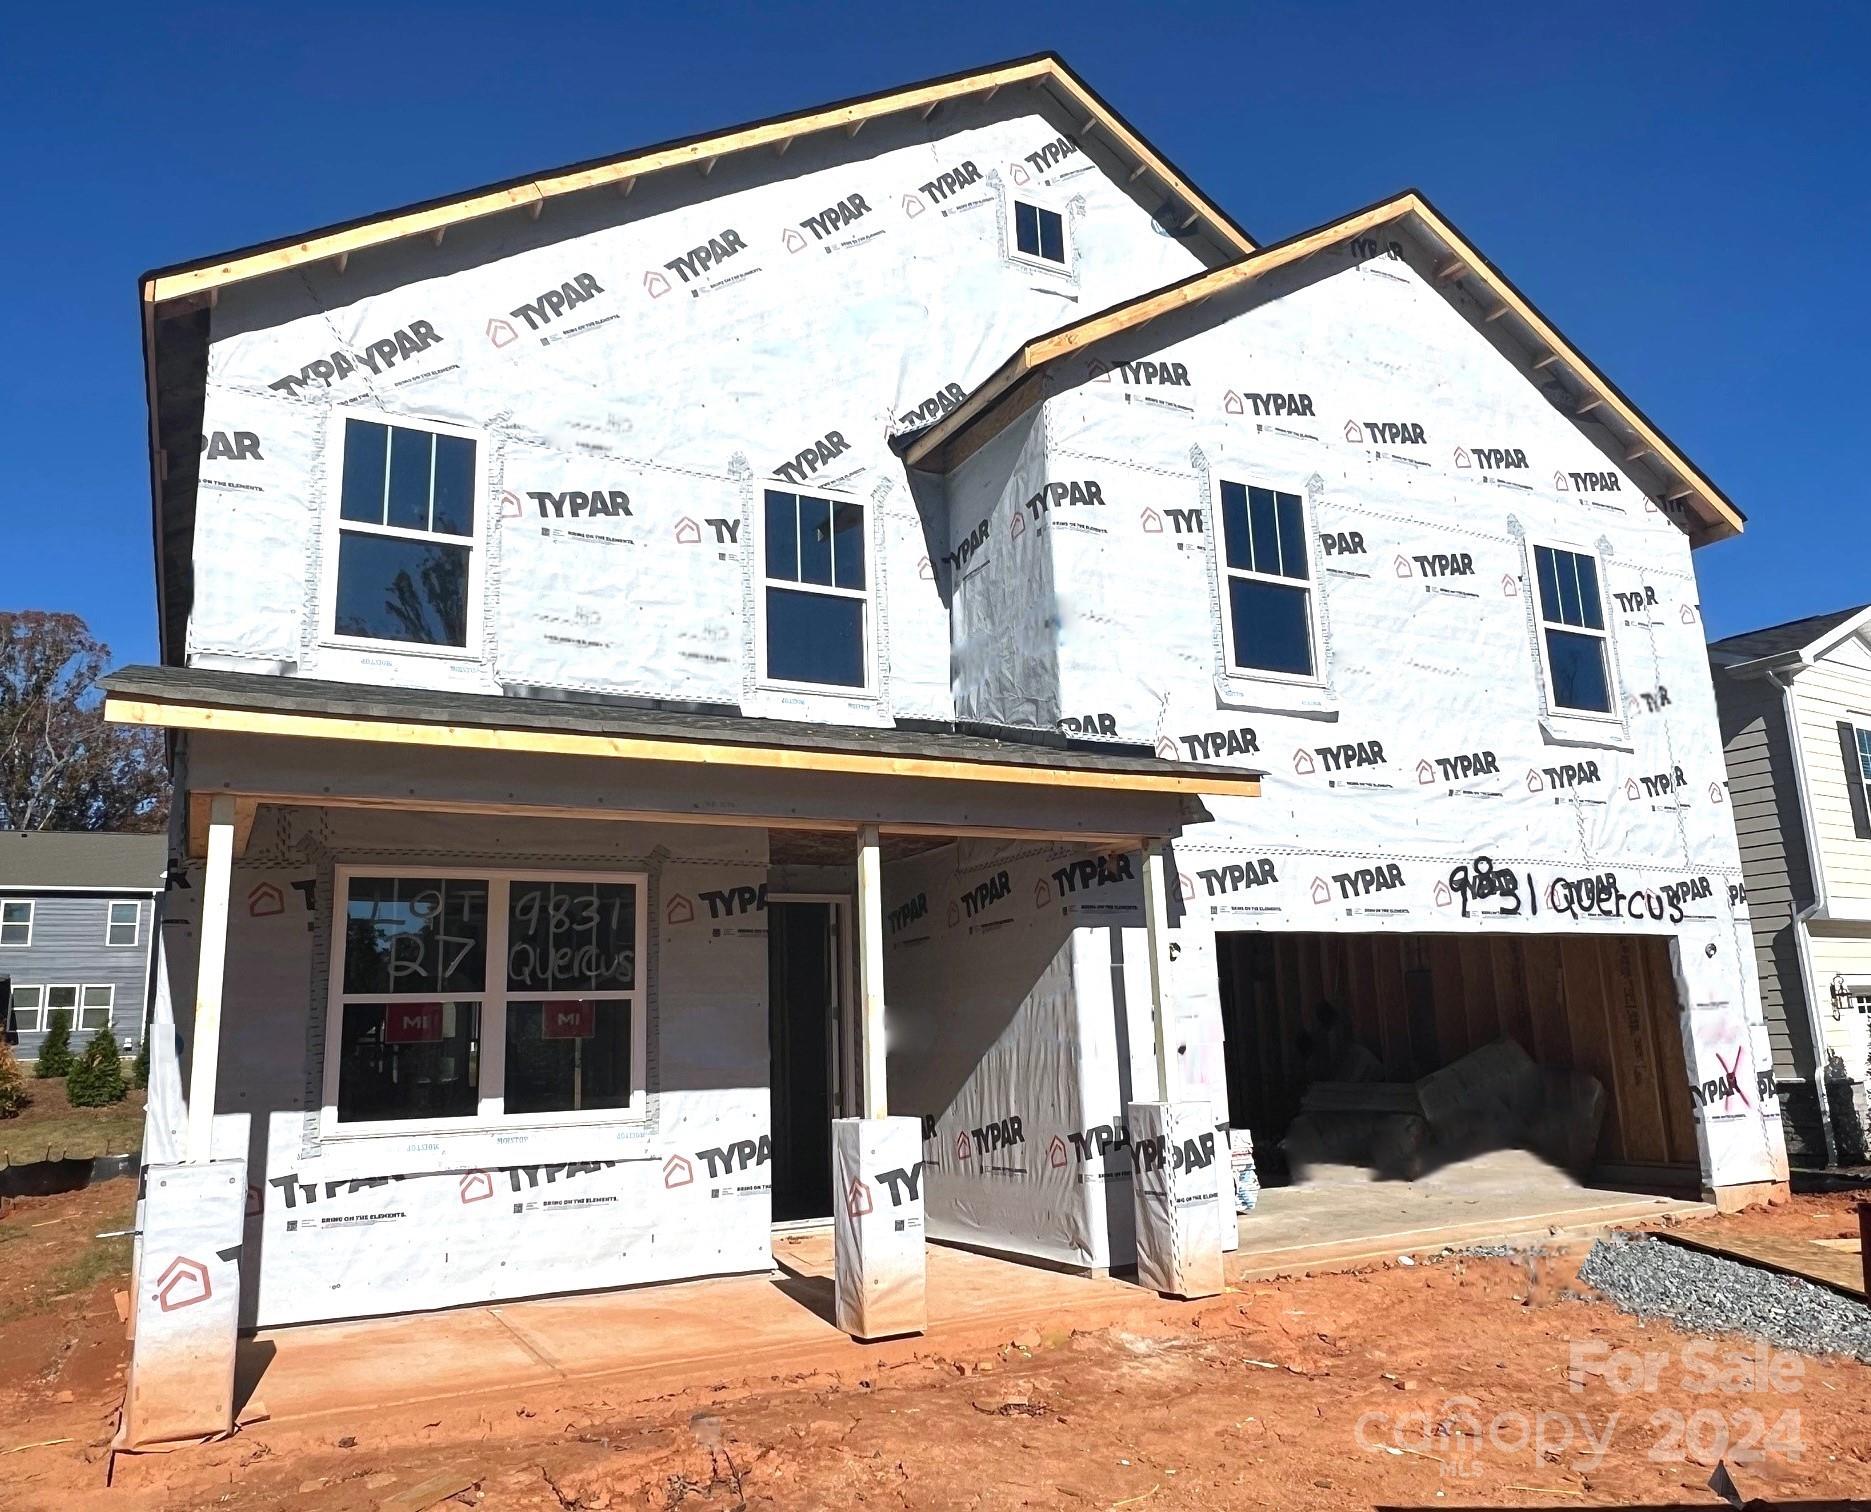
[399,648]
[1584,730]
[1303,700]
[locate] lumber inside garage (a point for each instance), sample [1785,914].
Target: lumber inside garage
[1602,1004]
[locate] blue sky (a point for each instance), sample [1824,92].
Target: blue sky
[1682,188]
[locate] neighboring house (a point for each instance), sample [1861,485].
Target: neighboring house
[1795,705]
[630,632]
[77,933]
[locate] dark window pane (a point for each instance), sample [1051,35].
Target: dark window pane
[1026,228]
[1546,569]
[567,1056]
[572,937]
[1864,753]
[1263,531]
[1580,677]
[1272,631]
[454,486]
[401,590]
[415,934]
[783,536]
[815,638]
[1568,568]
[1292,536]
[408,1060]
[815,540]
[366,445]
[1234,524]
[1591,613]
[412,454]
[848,545]
[1051,236]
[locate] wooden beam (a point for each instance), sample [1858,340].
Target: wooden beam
[1495,314]
[870,932]
[1595,402]
[204,1040]
[1450,271]
[182,716]
[1543,363]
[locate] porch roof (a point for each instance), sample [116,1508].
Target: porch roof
[248,703]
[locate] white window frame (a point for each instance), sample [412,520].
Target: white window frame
[46,1009]
[37,1010]
[111,926]
[1046,202]
[490,1114]
[1231,668]
[1861,733]
[476,541]
[835,496]
[1614,717]
[6,923]
[109,1007]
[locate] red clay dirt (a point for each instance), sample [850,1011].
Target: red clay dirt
[1458,1383]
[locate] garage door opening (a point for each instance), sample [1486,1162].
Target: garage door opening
[1485,1076]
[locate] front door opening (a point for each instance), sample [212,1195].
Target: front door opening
[805,995]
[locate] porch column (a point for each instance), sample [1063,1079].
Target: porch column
[877,1164]
[187,1265]
[1173,1152]
[204,1046]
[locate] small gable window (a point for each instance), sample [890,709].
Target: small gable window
[1574,642]
[1039,233]
[817,595]
[1267,592]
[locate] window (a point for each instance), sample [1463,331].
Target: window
[816,596]
[94,1007]
[16,922]
[23,1017]
[1039,233]
[1572,624]
[1266,582]
[124,919]
[61,1003]
[406,533]
[504,996]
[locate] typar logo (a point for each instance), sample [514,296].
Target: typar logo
[265,901]
[984,895]
[808,461]
[1437,564]
[231,446]
[1568,774]
[1342,543]
[835,218]
[1076,495]
[967,547]
[1051,155]
[1206,745]
[1587,482]
[933,408]
[1389,432]
[1361,883]
[1092,872]
[1289,406]
[476,1186]
[858,1200]
[183,1283]
[680,910]
[1143,374]
[377,358]
[907,913]
[694,264]
[1238,875]
[677,1172]
[553,304]
[945,186]
[580,505]
[1492,458]
[1089,725]
[1343,757]
[1461,767]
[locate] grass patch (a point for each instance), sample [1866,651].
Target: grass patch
[51,1127]
[99,1260]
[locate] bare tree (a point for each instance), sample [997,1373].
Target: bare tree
[62,767]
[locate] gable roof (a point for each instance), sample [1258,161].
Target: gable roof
[82,860]
[1643,448]
[1043,71]
[1800,638]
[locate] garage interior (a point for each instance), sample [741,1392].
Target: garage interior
[1398,1083]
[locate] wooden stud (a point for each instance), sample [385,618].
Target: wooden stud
[1090,121]
[626,185]
[533,210]
[1638,453]
[708,167]
[782,145]
[855,127]
[1189,220]
[1495,314]
[182,716]
[1450,271]
[1543,363]
[989,93]
[435,236]
[162,463]
[1595,402]
[341,262]
[931,108]
[1137,173]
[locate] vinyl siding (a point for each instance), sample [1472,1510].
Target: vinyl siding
[68,949]
[1763,792]
[1836,688]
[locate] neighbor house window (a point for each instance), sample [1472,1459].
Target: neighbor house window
[122,928]
[23,1011]
[817,604]
[405,536]
[491,996]
[94,1006]
[1039,233]
[1572,630]
[1267,604]
[61,1005]
[16,922]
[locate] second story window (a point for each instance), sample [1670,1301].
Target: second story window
[406,535]
[16,922]
[1572,631]
[122,926]
[1266,582]
[817,594]
[1039,233]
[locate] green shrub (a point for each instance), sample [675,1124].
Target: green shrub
[140,1068]
[96,1077]
[13,1098]
[55,1050]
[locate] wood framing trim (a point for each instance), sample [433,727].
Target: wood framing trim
[177,283]
[948,441]
[182,716]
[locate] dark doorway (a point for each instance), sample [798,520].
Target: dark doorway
[805,977]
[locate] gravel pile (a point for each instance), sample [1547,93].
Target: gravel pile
[1708,1294]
